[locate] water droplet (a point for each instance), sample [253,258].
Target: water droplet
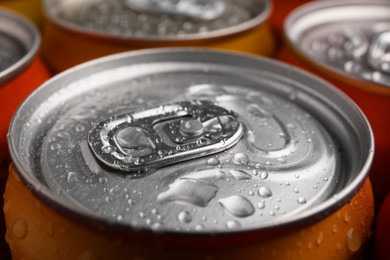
[233,224]
[196,192]
[55,146]
[184,217]
[238,206]
[334,229]
[199,227]
[353,240]
[240,159]
[257,111]
[213,161]
[255,172]
[261,204]
[347,217]
[264,175]
[80,128]
[251,193]
[282,160]
[264,192]
[20,228]
[108,149]
[296,190]
[272,213]
[320,238]
[301,200]
[240,174]
[72,177]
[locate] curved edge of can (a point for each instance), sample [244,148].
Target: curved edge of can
[15,69]
[305,218]
[212,35]
[323,68]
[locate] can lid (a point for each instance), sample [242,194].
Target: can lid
[163,20]
[196,9]
[349,37]
[19,41]
[294,147]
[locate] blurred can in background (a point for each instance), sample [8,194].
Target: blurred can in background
[78,31]
[280,10]
[21,71]
[348,43]
[187,153]
[32,9]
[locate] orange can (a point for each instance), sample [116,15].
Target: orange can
[79,31]
[21,71]
[187,153]
[351,50]
[31,9]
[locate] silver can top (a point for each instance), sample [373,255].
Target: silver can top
[19,41]
[158,20]
[190,141]
[351,37]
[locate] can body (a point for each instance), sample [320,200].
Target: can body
[280,10]
[96,179]
[373,98]
[32,9]
[36,231]
[21,72]
[64,46]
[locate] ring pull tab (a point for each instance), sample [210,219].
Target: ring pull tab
[379,53]
[164,135]
[195,9]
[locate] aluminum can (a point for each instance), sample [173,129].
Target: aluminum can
[280,10]
[31,9]
[78,31]
[188,153]
[347,43]
[21,71]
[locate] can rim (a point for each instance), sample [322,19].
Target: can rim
[360,83]
[304,218]
[15,69]
[215,34]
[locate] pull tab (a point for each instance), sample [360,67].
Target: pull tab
[379,53]
[195,9]
[164,135]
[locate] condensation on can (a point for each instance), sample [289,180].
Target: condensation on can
[21,71]
[115,169]
[79,31]
[347,43]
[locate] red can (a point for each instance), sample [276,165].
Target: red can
[347,43]
[280,10]
[21,71]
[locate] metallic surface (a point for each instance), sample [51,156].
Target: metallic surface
[345,37]
[114,21]
[171,133]
[72,37]
[196,9]
[19,42]
[306,148]
[365,57]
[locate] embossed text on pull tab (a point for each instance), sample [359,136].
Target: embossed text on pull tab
[379,54]
[164,135]
[195,9]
